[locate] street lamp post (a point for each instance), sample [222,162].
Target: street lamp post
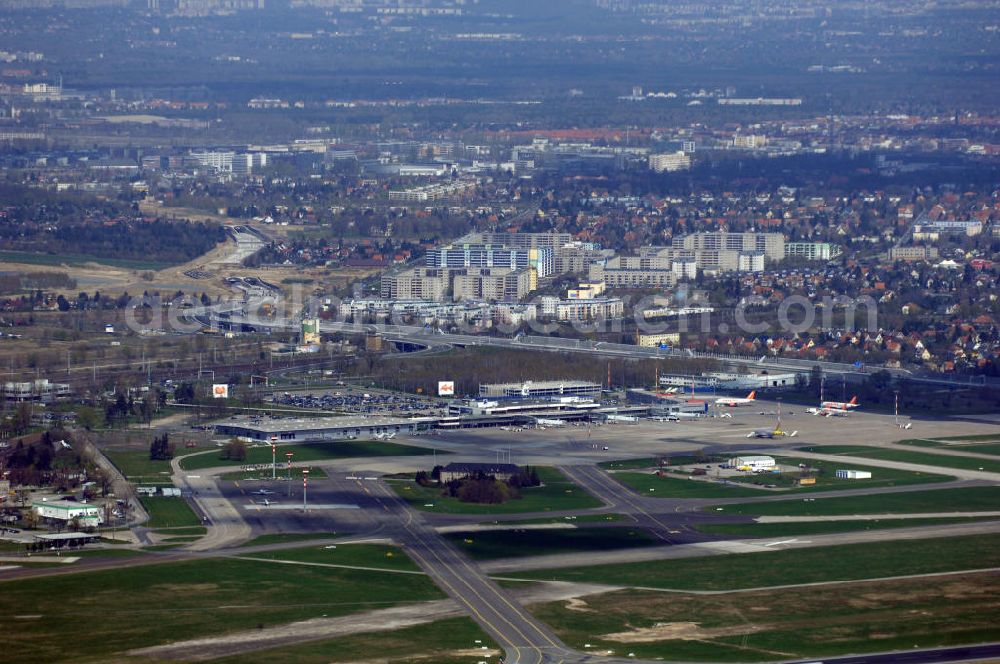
[305,488]
[274,464]
[288,465]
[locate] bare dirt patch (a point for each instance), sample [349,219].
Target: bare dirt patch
[576,604]
[679,631]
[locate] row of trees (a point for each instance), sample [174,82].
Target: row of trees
[118,412]
[234,450]
[160,449]
[49,459]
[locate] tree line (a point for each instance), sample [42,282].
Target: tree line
[158,240]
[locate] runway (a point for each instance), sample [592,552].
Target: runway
[348,501]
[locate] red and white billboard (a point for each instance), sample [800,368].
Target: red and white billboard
[446,388]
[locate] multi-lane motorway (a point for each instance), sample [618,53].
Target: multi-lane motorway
[431,338]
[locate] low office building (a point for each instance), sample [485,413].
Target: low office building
[657,340]
[854,475]
[915,253]
[752,462]
[586,291]
[65,511]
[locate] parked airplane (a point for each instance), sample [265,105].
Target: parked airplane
[263,492]
[841,405]
[626,419]
[827,412]
[385,436]
[771,433]
[737,401]
[677,417]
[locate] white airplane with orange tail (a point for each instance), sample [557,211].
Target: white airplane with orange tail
[841,405]
[737,401]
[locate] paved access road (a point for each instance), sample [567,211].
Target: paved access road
[226,526]
[988,652]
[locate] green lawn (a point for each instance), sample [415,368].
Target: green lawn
[906,456]
[138,467]
[557,493]
[131,607]
[283,538]
[959,444]
[383,557]
[778,625]
[675,485]
[306,452]
[979,448]
[167,512]
[971,499]
[681,459]
[493,544]
[441,642]
[670,486]
[922,442]
[783,567]
[792,528]
[825,473]
[583,518]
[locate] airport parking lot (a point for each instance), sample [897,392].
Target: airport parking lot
[373,402]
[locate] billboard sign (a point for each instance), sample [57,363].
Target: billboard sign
[220,391]
[446,388]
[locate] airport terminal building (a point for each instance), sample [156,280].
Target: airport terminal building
[300,429]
